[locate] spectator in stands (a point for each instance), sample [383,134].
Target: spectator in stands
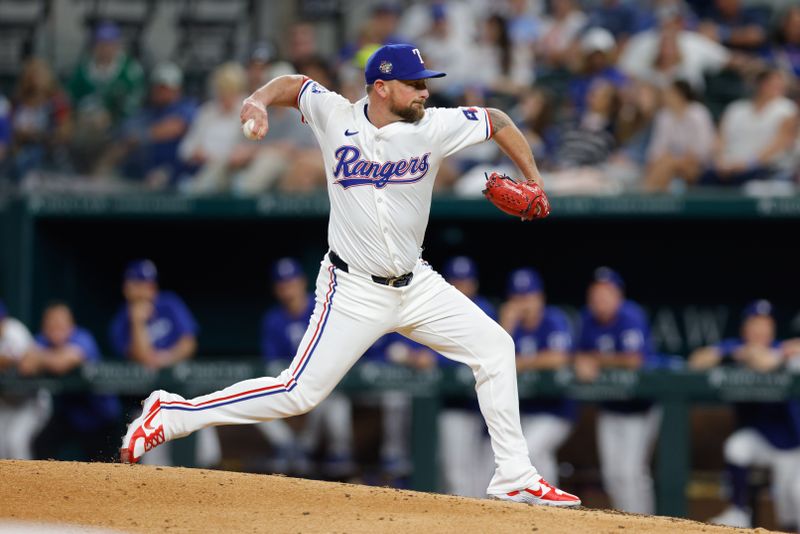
[535,117]
[784,51]
[736,26]
[22,416]
[89,419]
[40,121]
[282,332]
[767,434]
[618,17]
[379,29]
[210,145]
[302,42]
[639,103]
[590,141]
[148,148]
[465,456]
[756,134]
[595,62]
[614,334]
[155,329]
[560,30]
[444,44]
[106,87]
[682,142]
[506,68]
[524,21]
[288,159]
[670,52]
[543,341]
[263,64]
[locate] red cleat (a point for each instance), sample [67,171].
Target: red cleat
[145,432]
[541,492]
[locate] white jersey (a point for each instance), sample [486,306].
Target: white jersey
[380,180]
[15,339]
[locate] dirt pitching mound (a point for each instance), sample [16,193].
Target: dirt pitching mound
[128,498]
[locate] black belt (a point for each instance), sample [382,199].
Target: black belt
[394,281]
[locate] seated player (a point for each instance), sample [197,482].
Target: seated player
[85,418]
[767,434]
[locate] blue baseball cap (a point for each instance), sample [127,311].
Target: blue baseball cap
[286,269]
[460,268]
[3,311]
[759,307]
[524,281]
[107,31]
[397,62]
[141,271]
[609,276]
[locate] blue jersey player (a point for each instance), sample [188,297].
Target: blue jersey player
[156,329]
[543,341]
[614,334]
[767,434]
[282,331]
[86,418]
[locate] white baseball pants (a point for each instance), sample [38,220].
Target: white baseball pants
[465,464]
[747,447]
[625,443]
[352,312]
[545,433]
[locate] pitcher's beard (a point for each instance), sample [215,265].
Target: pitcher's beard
[412,113]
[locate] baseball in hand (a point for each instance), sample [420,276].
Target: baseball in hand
[248,129]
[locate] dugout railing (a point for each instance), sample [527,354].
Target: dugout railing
[676,391]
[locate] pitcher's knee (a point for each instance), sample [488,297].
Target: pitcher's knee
[304,399]
[739,449]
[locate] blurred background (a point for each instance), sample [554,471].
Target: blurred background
[656,374]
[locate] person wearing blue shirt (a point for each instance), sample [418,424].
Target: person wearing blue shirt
[543,341]
[463,442]
[614,334]
[156,329]
[86,418]
[767,434]
[282,331]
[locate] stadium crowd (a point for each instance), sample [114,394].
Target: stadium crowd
[614,96]
[154,328]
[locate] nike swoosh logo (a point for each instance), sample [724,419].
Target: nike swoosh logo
[348,133]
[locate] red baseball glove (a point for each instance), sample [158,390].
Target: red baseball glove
[525,200]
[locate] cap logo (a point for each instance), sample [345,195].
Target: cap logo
[386,67]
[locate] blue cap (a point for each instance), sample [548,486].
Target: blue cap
[286,269]
[107,31]
[397,62]
[608,275]
[524,281]
[3,311]
[759,307]
[141,271]
[460,268]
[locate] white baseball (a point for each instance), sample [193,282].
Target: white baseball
[247,129]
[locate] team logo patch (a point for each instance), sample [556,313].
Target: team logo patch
[386,67]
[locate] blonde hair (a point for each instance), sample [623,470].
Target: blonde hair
[228,78]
